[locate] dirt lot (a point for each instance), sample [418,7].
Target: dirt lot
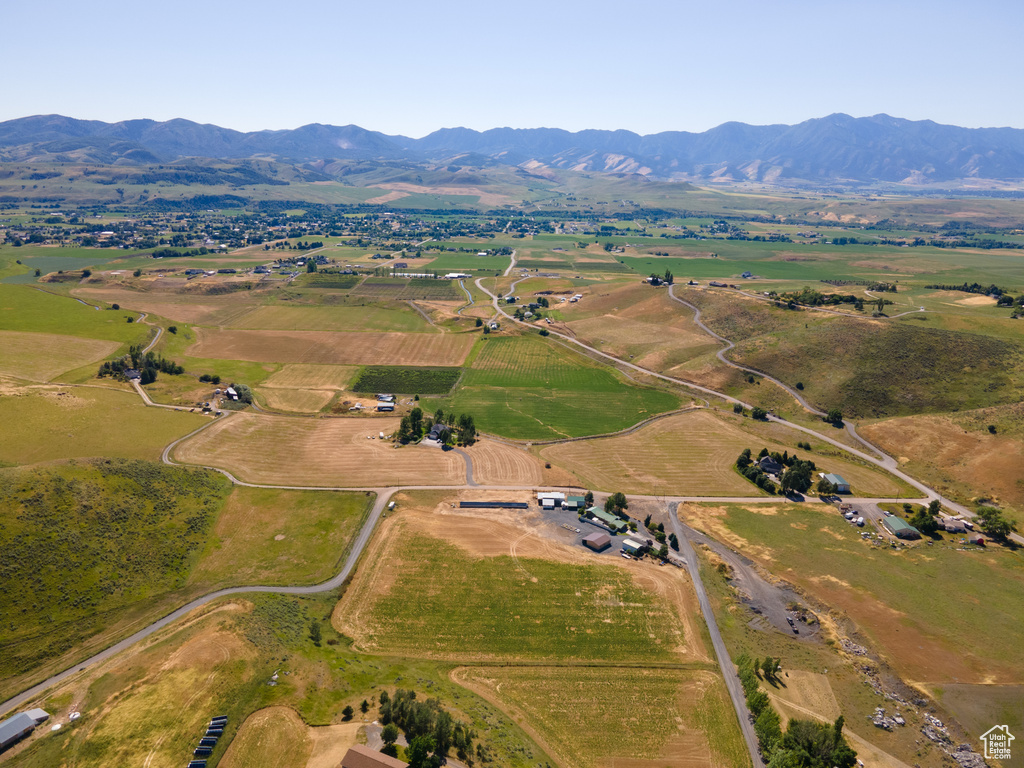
[333,347]
[318,452]
[274,737]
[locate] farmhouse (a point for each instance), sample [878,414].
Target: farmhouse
[230,392]
[717,284]
[597,541]
[20,725]
[551,500]
[362,756]
[769,465]
[438,431]
[952,525]
[900,528]
[837,480]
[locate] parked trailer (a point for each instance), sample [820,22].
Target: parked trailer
[860,521]
[197,764]
[222,719]
[202,752]
[210,741]
[215,732]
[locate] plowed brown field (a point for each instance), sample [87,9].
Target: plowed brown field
[339,348]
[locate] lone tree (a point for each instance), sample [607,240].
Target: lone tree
[834,417]
[347,712]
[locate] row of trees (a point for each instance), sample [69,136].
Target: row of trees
[804,744]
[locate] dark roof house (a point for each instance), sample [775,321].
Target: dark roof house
[597,541]
[770,465]
[362,756]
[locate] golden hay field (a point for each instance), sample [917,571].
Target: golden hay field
[497,464]
[162,300]
[333,347]
[299,376]
[589,718]
[42,356]
[688,454]
[283,450]
[297,400]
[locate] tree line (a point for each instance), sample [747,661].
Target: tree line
[804,743]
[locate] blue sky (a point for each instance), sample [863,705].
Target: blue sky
[412,67]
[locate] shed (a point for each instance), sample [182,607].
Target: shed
[900,528]
[230,392]
[385,406]
[551,500]
[838,481]
[19,726]
[362,756]
[597,541]
[632,546]
[574,502]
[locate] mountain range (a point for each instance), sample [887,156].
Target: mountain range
[836,149]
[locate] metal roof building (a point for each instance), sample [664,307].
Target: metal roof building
[838,481]
[597,541]
[20,725]
[900,528]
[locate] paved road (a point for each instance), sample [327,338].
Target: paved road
[882,459]
[383,495]
[732,680]
[469,296]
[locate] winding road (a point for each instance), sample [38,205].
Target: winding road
[383,495]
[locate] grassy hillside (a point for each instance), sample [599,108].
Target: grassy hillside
[83,545]
[873,369]
[23,308]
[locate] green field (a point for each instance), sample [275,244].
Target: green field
[27,309]
[371,317]
[406,380]
[507,607]
[87,544]
[271,536]
[327,280]
[86,422]
[527,388]
[405,288]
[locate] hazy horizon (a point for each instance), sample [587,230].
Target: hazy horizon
[409,68]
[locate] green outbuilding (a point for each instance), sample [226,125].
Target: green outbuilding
[901,529]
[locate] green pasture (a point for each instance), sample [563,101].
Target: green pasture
[517,608]
[370,317]
[526,388]
[24,308]
[86,422]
